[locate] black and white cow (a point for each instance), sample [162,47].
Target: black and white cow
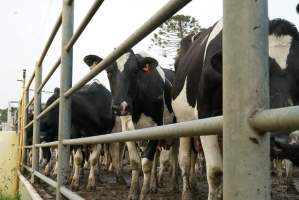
[141,93]
[91,115]
[197,89]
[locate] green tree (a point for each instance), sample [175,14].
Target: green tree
[170,33]
[3,115]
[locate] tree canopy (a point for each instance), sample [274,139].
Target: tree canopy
[170,33]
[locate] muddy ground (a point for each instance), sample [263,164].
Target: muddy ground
[108,189]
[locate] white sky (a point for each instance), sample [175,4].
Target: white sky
[26,25]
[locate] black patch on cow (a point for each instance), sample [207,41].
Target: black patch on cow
[282,27]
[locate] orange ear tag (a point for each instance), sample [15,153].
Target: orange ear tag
[146,68]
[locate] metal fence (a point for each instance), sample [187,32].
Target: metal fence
[246,120]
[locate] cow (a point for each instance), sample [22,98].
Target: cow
[141,94]
[197,90]
[287,149]
[91,115]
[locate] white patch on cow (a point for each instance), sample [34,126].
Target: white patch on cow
[216,30]
[121,61]
[279,49]
[167,116]
[161,72]
[145,122]
[183,111]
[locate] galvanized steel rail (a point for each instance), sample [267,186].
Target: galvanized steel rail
[51,72]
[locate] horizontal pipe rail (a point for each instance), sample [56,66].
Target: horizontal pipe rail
[30,103]
[44,178]
[50,107]
[50,40]
[276,119]
[84,23]
[47,180]
[51,72]
[48,144]
[32,192]
[30,81]
[28,147]
[29,169]
[29,124]
[69,194]
[208,126]
[162,15]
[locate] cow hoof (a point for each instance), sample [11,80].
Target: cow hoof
[187,195]
[75,185]
[54,175]
[46,173]
[133,196]
[90,187]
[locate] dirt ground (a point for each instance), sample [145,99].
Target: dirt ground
[108,189]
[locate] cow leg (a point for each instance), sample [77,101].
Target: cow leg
[56,163]
[73,165]
[93,161]
[200,164]
[127,124]
[147,164]
[162,160]
[135,167]
[115,149]
[106,157]
[174,167]
[213,166]
[289,168]
[154,181]
[192,178]
[47,157]
[78,158]
[185,161]
[41,157]
[30,157]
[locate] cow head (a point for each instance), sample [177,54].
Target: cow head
[123,76]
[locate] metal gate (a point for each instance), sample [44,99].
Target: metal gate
[246,120]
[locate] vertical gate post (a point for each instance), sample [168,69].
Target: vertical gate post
[36,123]
[23,123]
[65,103]
[245,90]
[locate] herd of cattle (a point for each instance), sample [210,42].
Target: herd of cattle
[143,94]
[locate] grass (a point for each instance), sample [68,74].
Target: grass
[16,197]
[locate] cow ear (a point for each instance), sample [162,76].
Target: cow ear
[147,64]
[91,60]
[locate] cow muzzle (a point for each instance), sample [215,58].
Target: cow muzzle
[121,109]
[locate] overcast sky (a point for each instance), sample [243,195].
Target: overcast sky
[26,26]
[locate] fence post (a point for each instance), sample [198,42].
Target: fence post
[65,103]
[245,90]
[36,123]
[23,112]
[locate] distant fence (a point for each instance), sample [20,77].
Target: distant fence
[246,118]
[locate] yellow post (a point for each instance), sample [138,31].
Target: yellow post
[8,163]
